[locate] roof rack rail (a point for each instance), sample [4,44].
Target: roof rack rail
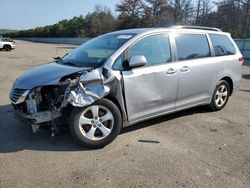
[196,27]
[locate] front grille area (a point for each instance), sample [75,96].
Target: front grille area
[16,94]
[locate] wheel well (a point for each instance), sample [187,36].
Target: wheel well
[6,45]
[230,82]
[114,100]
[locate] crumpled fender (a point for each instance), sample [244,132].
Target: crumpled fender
[92,87]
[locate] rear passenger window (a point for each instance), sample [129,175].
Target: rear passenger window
[222,45]
[192,46]
[155,48]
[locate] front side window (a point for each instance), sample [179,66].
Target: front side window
[118,65]
[95,52]
[155,48]
[222,45]
[192,46]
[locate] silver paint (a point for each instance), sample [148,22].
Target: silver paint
[48,74]
[137,61]
[144,92]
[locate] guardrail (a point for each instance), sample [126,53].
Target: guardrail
[76,41]
[243,44]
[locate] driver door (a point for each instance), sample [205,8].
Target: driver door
[152,89]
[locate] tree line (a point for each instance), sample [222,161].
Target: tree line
[229,15]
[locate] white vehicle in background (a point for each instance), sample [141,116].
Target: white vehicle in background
[7,44]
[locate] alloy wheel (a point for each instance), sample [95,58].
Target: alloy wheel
[221,95]
[96,122]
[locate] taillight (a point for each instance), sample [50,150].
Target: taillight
[241,59]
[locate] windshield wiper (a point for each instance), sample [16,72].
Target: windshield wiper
[60,58]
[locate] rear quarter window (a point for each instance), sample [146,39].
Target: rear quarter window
[222,45]
[192,46]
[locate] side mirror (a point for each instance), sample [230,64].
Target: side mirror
[137,61]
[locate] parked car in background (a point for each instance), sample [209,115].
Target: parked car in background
[129,76]
[7,44]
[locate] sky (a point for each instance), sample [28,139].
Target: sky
[28,14]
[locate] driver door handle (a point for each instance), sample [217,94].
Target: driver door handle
[185,68]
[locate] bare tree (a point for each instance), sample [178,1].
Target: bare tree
[182,11]
[229,16]
[203,9]
[246,18]
[130,13]
[130,7]
[157,12]
[100,21]
[198,11]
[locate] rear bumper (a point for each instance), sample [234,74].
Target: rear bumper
[236,86]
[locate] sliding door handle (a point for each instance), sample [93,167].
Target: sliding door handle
[171,71]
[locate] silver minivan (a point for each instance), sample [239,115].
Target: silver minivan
[128,76]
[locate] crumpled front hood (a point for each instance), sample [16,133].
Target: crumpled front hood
[48,74]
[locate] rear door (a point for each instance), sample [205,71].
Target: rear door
[227,52]
[152,89]
[197,69]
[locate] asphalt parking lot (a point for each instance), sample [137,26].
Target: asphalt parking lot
[193,148]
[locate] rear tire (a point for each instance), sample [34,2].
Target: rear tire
[96,125]
[220,96]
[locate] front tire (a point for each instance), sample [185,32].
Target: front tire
[96,125]
[7,48]
[220,96]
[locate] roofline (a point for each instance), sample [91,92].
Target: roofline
[196,27]
[138,31]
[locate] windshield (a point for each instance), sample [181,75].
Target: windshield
[95,52]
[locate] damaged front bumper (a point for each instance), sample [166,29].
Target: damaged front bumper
[79,92]
[38,118]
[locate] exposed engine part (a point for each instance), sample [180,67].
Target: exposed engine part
[33,100]
[35,128]
[46,104]
[31,106]
[53,123]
